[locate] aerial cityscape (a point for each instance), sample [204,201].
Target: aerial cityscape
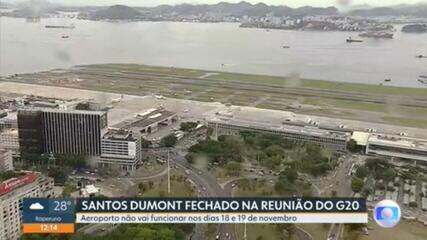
[214,100]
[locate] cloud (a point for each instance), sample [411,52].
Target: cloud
[36,206]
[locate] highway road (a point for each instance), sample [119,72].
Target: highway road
[343,188]
[209,188]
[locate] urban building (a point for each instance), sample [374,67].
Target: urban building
[6,160]
[148,121]
[30,131]
[119,148]
[397,146]
[424,203]
[12,192]
[73,132]
[61,131]
[9,139]
[333,139]
[10,121]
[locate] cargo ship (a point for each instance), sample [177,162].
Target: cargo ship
[377,35]
[59,26]
[422,79]
[350,40]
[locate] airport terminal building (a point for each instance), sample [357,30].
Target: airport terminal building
[121,145]
[397,146]
[333,139]
[147,122]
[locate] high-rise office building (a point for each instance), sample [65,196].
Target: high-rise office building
[61,131]
[30,131]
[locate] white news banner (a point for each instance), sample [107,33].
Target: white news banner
[175,217]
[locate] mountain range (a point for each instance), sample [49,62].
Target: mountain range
[223,8]
[240,9]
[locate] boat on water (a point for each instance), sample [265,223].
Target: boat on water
[421,56]
[351,40]
[387,80]
[65,36]
[286,46]
[422,79]
[60,26]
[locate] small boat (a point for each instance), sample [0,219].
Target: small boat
[350,40]
[285,46]
[65,36]
[387,80]
[421,56]
[422,79]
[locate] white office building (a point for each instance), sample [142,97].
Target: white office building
[119,148]
[9,139]
[6,160]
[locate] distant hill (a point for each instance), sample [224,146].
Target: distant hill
[118,12]
[31,8]
[239,9]
[415,28]
[417,10]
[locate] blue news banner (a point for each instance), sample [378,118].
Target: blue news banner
[221,210]
[41,215]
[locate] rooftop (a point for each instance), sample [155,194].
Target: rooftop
[398,141]
[91,189]
[65,111]
[145,119]
[361,138]
[119,135]
[297,129]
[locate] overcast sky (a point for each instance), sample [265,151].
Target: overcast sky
[291,3]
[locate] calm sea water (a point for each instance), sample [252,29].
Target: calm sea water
[29,47]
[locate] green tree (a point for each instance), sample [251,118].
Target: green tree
[190,157]
[233,168]
[389,174]
[188,126]
[353,147]
[362,172]
[58,174]
[357,184]
[169,141]
[145,143]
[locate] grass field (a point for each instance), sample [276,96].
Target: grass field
[317,231]
[420,123]
[374,103]
[406,230]
[259,231]
[273,80]
[178,189]
[150,69]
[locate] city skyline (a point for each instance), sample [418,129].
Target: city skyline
[290,3]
